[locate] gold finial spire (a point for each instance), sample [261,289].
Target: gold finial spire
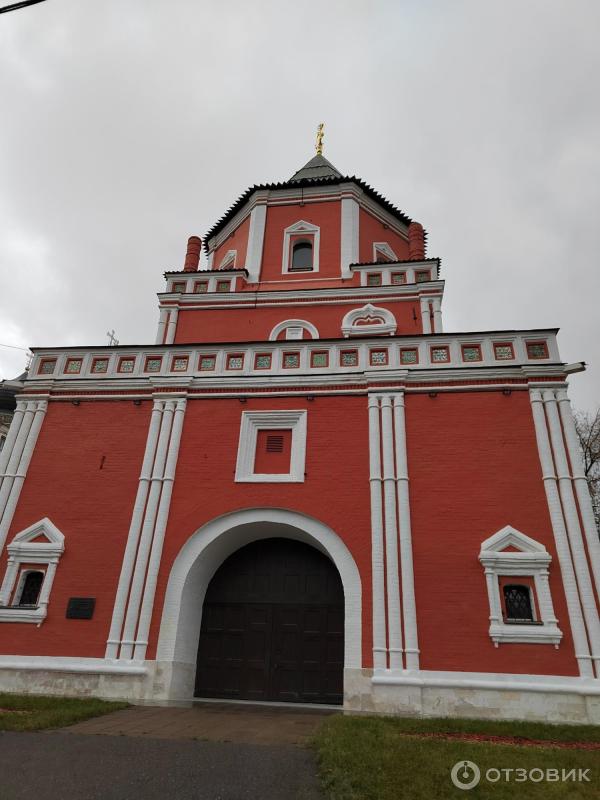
[320,137]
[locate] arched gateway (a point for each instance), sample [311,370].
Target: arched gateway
[227,581]
[273,626]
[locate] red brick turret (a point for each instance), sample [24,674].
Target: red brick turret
[416,241]
[192,257]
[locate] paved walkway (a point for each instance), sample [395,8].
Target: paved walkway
[217,722]
[58,765]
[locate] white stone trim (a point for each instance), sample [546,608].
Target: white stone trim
[293,323]
[69,664]
[349,235]
[256,237]
[580,484]
[252,422]
[385,249]
[149,539]
[298,228]
[377,546]
[582,651]
[207,549]
[228,260]
[411,639]
[16,455]
[351,328]
[24,551]
[571,517]
[530,559]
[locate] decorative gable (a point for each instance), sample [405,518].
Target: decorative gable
[368,321]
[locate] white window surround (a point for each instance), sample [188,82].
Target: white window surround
[384,249]
[23,550]
[313,233]
[228,261]
[531,559]
[289,325]
[351,323]
[252,422]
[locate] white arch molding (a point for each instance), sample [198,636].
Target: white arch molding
[203,554]
[294,324]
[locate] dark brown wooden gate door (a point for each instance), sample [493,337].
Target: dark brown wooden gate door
[273,626]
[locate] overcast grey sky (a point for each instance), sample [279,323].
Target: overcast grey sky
[127,126]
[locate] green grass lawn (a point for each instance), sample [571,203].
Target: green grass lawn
[382,758]
[32,713]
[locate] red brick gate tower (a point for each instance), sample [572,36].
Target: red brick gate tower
[305,490]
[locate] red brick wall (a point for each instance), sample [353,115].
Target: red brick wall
[245,325]
[371,230]
[91,507]
[474,468]
[237,241]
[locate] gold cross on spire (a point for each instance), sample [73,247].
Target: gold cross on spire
[320,137]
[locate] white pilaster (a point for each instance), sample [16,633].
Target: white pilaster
[256,237]
[437,315]
[114,637]
[172,326]
[349,235]
[139,574]
[379,627]
[162,321]
[411,639]
[582,652]
[15,480]
[425,318]
[11,437]
[159,534]
[391,536]
[580,483]
[565,487]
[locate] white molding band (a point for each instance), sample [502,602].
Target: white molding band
[580,483]
[18,459]
[582,652]
[411,639]
[349,235]
[571,516]
[256,237]
[69,664]
[149,540]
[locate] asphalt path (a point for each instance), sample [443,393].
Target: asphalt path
[66,766]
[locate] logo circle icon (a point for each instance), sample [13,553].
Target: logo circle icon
[465,775]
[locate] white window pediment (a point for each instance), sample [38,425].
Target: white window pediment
[384,249]
[295,231]
[368,321]
[228,260]
[510,553]
[39,544]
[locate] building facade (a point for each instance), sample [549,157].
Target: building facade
[305,490]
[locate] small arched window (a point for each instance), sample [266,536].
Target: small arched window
[30,591]
[302,256]
[517,602]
